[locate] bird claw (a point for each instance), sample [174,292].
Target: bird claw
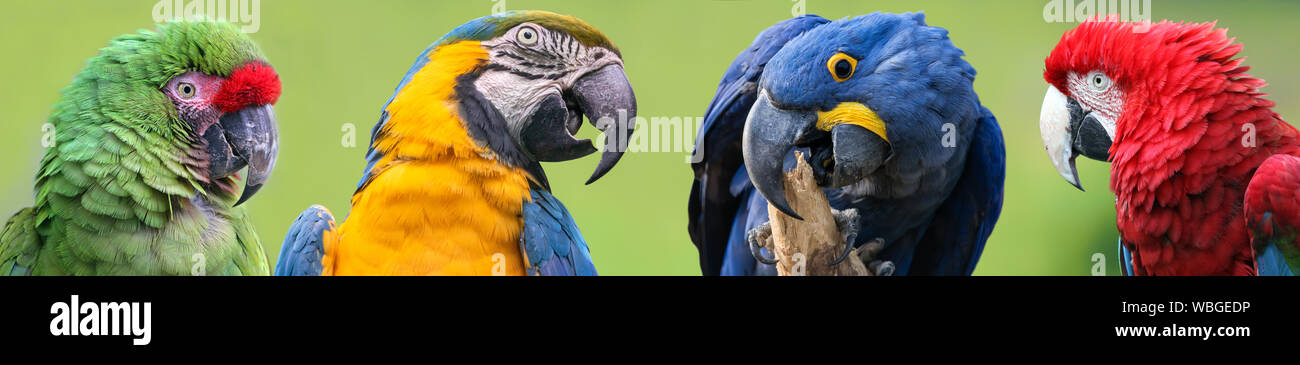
[846,221]
[757,238]
[848,248]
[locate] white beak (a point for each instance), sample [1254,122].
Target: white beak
[1054,124]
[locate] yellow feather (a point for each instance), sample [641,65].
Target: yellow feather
[438,203]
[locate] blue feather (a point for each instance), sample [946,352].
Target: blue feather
[1272,263]
[722,191]
[962,225]
[303,247]
[915,80]
[551,239]
[1126,258]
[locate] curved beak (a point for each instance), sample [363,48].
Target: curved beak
[847,144]
[1069,131]
[770,133]
[605,96]
[244,138]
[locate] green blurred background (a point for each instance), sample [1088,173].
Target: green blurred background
[339,62]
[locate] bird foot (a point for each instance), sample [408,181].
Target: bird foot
[846,221]
[867,253]
[758,238]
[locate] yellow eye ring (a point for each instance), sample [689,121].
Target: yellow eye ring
[186,90]
[841,66]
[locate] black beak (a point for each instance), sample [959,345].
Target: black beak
[605,96]
[547,136]
[247,138]
[1068,132]
[844,155]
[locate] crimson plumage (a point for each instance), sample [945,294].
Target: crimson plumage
[1192,132]
[254,83]
[1272,214]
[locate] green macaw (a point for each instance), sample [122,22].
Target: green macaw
[142,177]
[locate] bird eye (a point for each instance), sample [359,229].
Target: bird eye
[841,66]
[1099,81]
[527,36]
[186,90]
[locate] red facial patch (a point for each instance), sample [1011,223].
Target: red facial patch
[254,83]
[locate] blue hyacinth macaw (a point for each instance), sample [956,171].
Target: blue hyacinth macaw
[884,106]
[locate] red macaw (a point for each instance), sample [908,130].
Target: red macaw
[1201,166]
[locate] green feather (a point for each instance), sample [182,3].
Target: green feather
[122,193]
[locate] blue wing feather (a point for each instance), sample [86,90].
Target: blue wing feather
[551,239]
[739,261]
[1126,258]
[1271,262]
[714,206]
[962,225]
[303,247]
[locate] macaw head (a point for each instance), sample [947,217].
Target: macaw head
[869,96]
[1113,81]
[543,73]
[201,89]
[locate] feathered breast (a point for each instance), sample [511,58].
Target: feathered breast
[437,203]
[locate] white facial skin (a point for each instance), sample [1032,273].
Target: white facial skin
[537,63]
[1098,94]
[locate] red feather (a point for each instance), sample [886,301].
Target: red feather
[1271,209]
[254,83]
[1180,165]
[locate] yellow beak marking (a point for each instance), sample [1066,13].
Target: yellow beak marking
[855,114]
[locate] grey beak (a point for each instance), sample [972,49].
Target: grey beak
[1069,131]
[770,133]
[606,97]
[253,140]
[858,152]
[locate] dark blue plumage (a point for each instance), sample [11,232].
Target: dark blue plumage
[714,202]
[938,193]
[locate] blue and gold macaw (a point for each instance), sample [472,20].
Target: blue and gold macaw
[453,184]
[884,106]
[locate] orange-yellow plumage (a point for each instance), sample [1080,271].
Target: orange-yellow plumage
[437,203]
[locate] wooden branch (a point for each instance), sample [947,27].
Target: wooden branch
[808,247]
